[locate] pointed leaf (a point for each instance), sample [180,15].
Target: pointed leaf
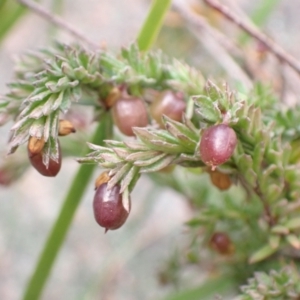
[293,223]
[119,175]
[162,163]
[261,254]
[294,241]
[129,177]
[207,109]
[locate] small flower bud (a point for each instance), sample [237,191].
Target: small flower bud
[65,127]
[35,145]
[221,180]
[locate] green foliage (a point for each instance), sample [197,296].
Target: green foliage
[273,286]
[259,214]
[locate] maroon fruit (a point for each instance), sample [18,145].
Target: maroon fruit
[221,243]
[217,145]
[170,104]
[110,208]
[129,112]
[52,170]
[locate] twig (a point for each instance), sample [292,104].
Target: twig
[253,31]
[217,44]
[271,220]
[198,21]
[39,10]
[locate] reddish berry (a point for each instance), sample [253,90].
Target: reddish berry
[6,177]
[170,104]
[129,112]
[220,180]
[110,208]
[37,162]
[221,243]
[217,145]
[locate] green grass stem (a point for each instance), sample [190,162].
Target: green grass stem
[152,24]
[62,224]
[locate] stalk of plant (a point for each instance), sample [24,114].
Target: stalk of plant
[61,226]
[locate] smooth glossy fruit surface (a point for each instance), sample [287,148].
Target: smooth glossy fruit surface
[220,180]
[129,112]
[37,162]
[110,209]
[221,243]
[170,104]
[217,145]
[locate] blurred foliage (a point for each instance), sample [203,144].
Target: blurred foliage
[258,213]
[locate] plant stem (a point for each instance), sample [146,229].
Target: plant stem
[59,231]
[259,17]
[38,9]
[64,219]
[254,31]
[152,24]
[9,15]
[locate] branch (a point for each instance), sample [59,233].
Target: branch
[253,31]
[56,20]
[217,44]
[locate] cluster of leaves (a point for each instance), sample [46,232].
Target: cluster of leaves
[275,285]
[49,82]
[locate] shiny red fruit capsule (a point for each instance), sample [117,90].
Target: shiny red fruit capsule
[111,208]
[170,104]
[128,112]
[217,145]
[36,161]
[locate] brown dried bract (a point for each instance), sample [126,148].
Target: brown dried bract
[35,145]
[220,180]
[65,127]
[102,178]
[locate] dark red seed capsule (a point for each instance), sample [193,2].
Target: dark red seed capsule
[217,145]
[129,112]
[36,161]
[111,209]
[170,104]
[221,243]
